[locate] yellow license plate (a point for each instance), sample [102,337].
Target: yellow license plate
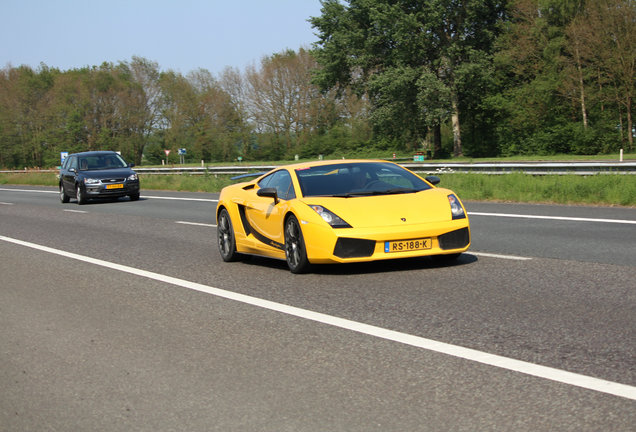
[115,186]
[407,245]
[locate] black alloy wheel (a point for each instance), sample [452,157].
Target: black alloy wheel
[295,251]
[225,234]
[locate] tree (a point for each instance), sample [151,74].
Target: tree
[367,42]
[561,66]
[24,114]
[282,100]
[612,42]
[537,107]
[146,98]
[199,115]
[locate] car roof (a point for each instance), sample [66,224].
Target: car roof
[93,153]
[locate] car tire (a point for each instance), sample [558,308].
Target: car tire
[134,197]
[63,197]
[295,250]
[79,194]
[225,236]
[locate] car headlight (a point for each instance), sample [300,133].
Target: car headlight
[133,177]
[331,218]
[456,207]
[89,181]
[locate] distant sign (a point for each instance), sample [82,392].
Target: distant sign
[182,151]
[63,156]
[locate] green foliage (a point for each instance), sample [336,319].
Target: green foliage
[474,77]
[414,59]
[396,114]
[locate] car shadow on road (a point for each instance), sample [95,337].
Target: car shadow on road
[111,200]
[381,266]
[394,265]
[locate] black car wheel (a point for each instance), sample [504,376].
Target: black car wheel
[295,251]
[79,194]
[134,197]
[225,233]
[63,197]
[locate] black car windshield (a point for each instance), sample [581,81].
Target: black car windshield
[358,179]
[101,162]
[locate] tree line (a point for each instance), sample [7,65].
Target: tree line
[451,77]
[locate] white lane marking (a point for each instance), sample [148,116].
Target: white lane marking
[144,196]
[179,198]
[552,374]
[6,203]
[562,218]
[75,211]
[491,255]
[29,190]
[195,223]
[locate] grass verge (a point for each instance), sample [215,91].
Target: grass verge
[601,189]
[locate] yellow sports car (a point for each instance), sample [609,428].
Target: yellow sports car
[340,211]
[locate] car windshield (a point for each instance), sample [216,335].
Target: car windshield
[358,179]
[101,162]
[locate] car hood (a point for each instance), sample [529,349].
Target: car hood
[426,206]
[107,173]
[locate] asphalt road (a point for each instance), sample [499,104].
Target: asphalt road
[121,316]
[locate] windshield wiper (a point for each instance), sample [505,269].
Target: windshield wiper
[399,191]
[373,192]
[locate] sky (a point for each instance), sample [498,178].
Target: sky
[180,35]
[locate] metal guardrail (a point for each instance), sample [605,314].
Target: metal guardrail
[532,168]
[215,170]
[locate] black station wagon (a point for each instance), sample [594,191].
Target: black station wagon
[97,174]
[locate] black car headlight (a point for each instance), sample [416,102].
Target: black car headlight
[456,207]
[91,181]
[133,177]
[331,218]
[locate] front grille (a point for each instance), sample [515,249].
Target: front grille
[353,248]
[455,239]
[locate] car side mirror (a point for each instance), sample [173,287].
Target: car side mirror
[130,165]
[268,192]
[433,180]
[73,170]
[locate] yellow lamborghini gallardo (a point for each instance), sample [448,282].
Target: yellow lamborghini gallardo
[340,211]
